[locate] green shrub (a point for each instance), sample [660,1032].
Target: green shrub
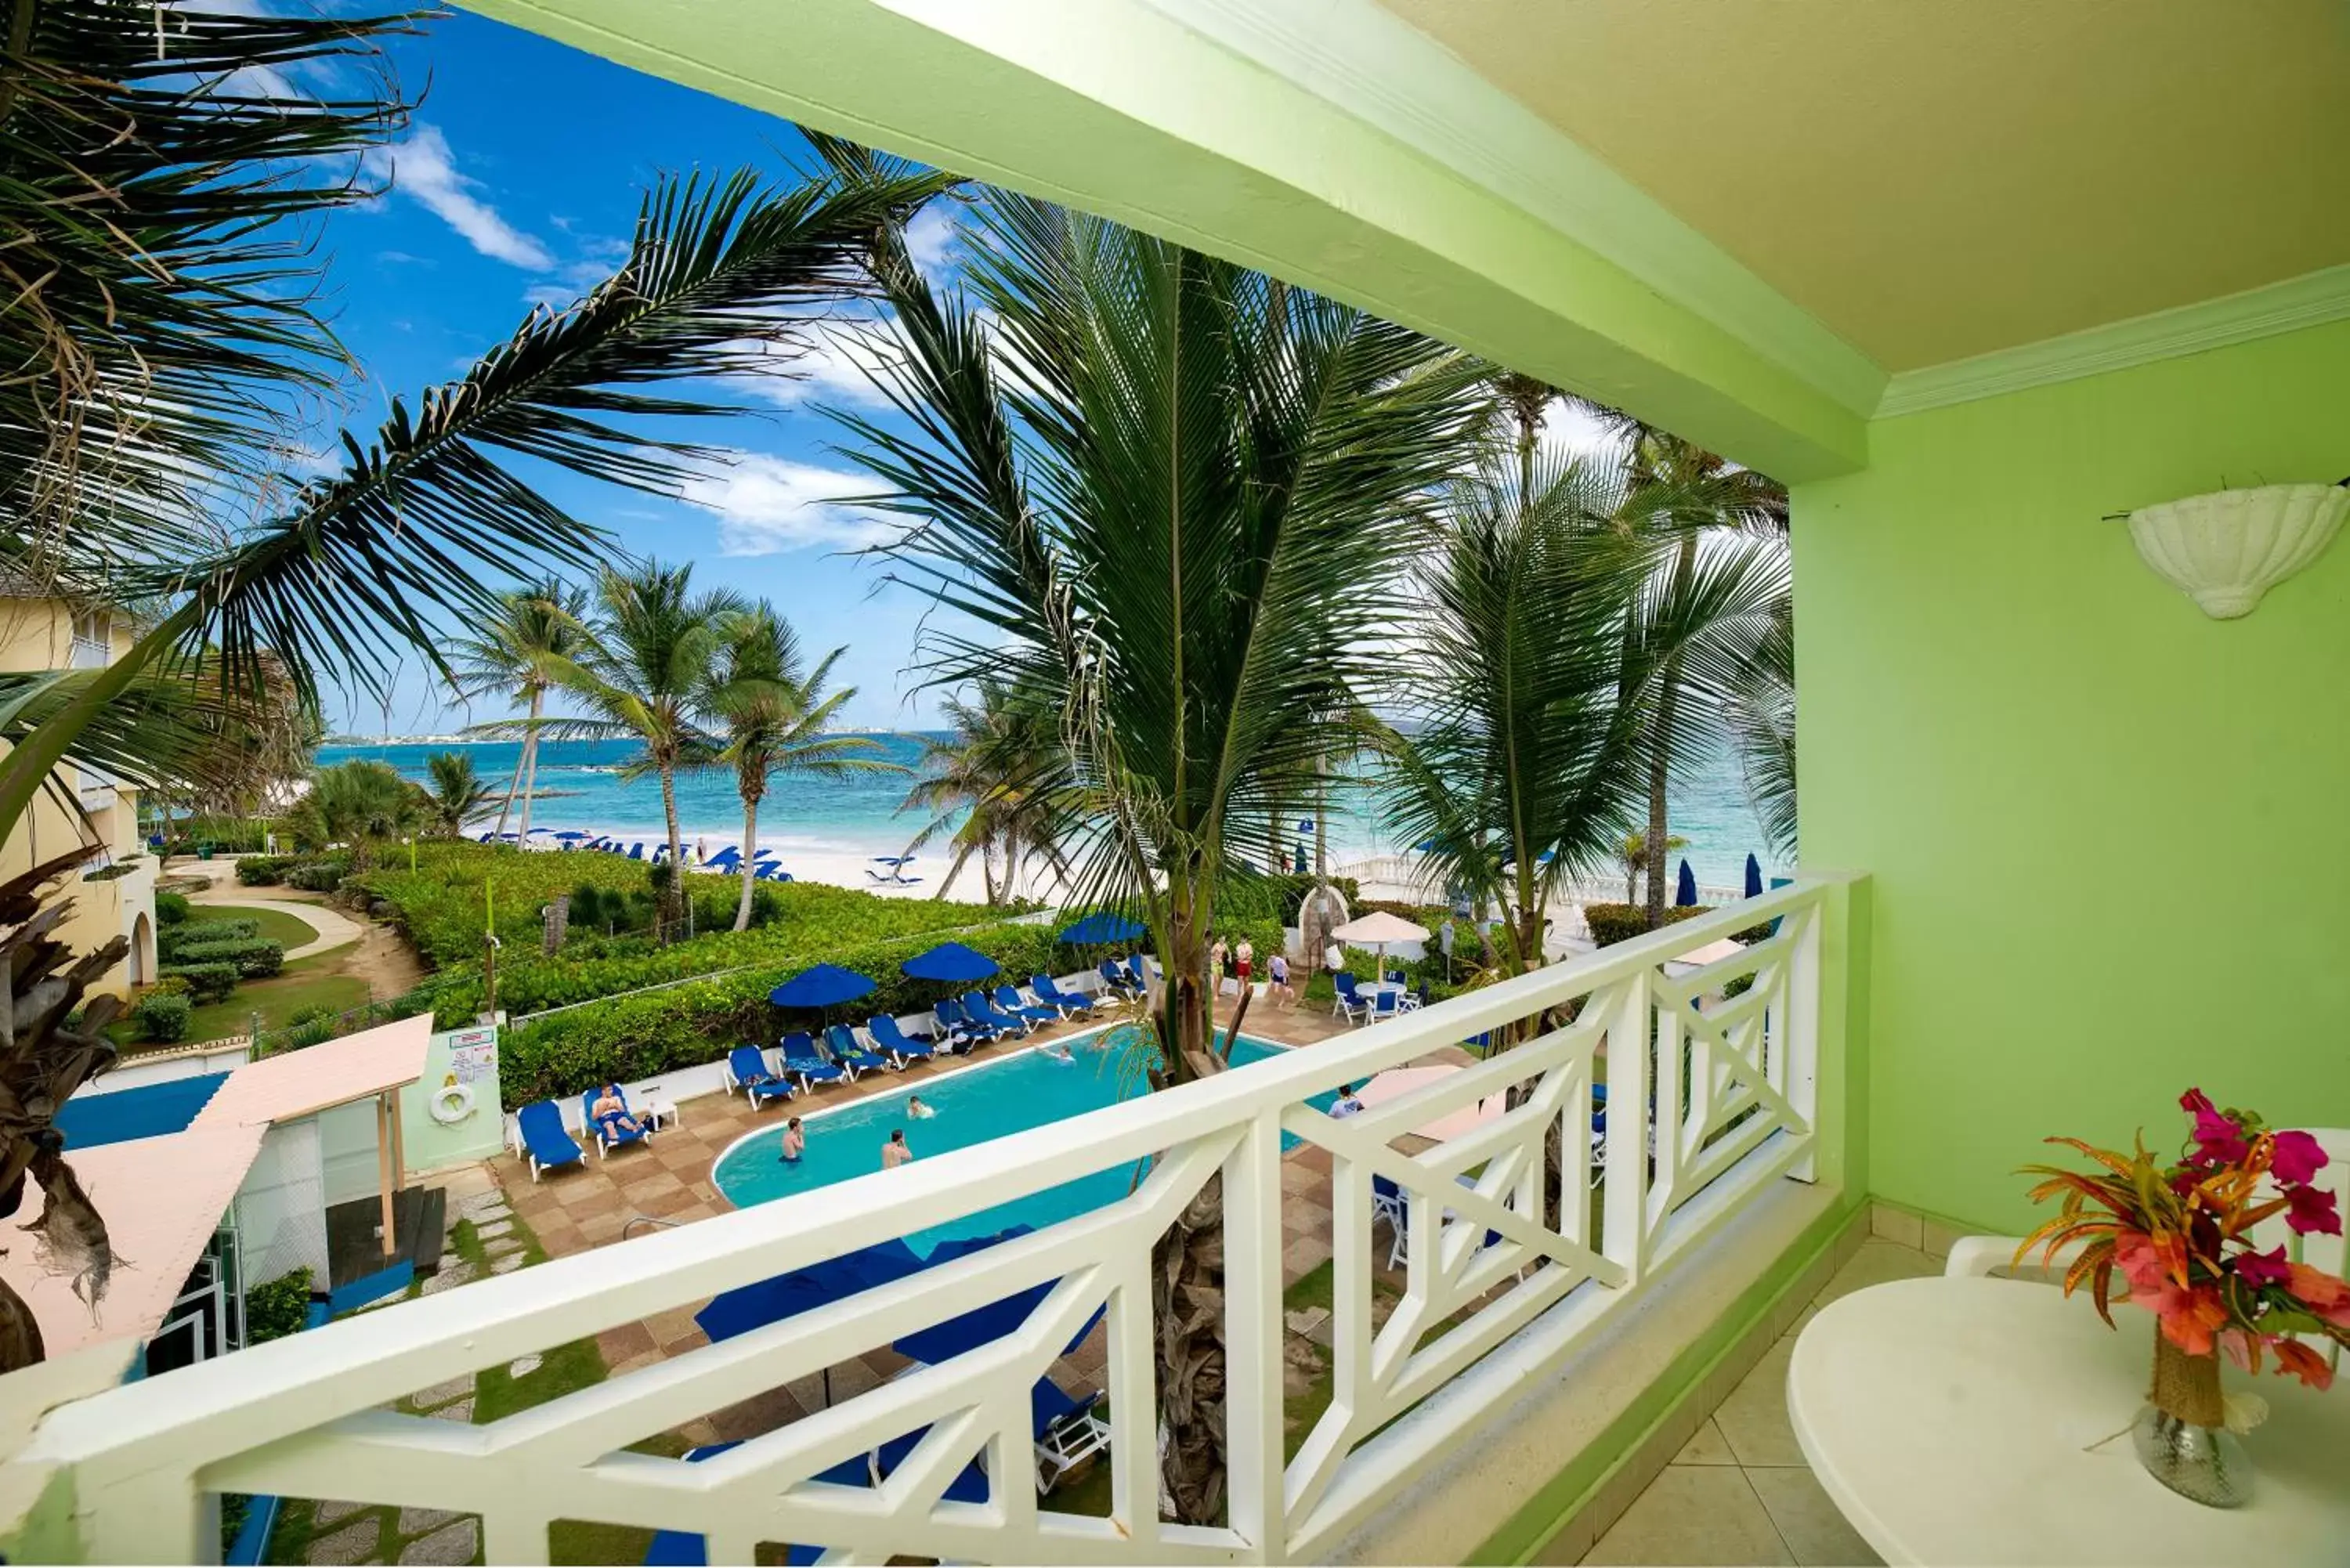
[263,870]
[1613,923]
[254,958]
[206,982]
[170,944]
[170,910]
[318,875]
[1275,900]
[276,1308]
[162,1015]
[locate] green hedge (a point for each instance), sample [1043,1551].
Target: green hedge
[162,1017]
[206,982]
[321,875]
[171,908]
[201,933]
[254,958]
[1613,923]
[276,1308]
[687,1025]
[265,871]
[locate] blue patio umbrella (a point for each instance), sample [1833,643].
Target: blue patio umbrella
[822,986]
[952,962]
[1103,929]
[943,1341]
[1686,895]
[1754,877]
[779,1297]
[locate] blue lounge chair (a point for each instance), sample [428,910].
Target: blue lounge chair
[771,871]
[803,1061]
[1133,973]
[546,1143]
[840,1045]
[895,1042]
[635,851]
[608,1136]
[690,1549]
[727,859]
[1007,1000]
[1114,976]
[746,1069]
[1351,1005]
[963,1030]
[1042,987]
[976,1006]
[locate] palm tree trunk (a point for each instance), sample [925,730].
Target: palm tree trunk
[750,853]
[1659,756]
[530,763]
[675,900]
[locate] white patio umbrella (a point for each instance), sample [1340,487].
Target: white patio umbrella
[1397,1082]
[1376,931]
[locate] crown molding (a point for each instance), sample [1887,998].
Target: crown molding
[1370,63]
[2312,299]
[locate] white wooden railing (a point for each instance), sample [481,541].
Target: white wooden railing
[1492,1262]
[1411,872]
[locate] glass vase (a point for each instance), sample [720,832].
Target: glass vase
[2181,1435]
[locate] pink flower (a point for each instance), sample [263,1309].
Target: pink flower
[2218,1139]
[2312,1212]
[2241,1347]
[2327,1298]
[2141,1261]
[2260,1269]
[2296,1158]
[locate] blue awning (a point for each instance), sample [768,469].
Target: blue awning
[950,961]
[822,986]
[1102,930]
[150,1110]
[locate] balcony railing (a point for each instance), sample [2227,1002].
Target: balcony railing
[1501,1253]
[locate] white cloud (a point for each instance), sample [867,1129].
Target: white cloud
[424,168]
[766,505]
[933,238]
[828,362]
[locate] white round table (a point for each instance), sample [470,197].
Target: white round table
[1951,1421]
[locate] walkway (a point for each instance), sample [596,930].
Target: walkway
[334,927]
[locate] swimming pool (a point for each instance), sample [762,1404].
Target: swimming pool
[986,1100]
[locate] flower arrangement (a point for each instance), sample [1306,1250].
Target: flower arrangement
[2180,1236]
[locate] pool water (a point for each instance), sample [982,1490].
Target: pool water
[988,1100]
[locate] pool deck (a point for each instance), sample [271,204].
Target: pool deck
[670,1179]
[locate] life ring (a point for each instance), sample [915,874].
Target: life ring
[453,1104]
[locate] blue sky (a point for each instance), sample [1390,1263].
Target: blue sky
[517,183]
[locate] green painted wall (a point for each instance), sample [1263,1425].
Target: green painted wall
[2109,837]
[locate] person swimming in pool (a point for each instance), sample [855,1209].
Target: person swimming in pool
[895,1152]
[919,1111]
[1058,1050]
[795,1141]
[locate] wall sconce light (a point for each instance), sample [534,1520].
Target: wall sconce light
[2226,549]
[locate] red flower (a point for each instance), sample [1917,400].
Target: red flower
[2260,1269]
[2310,1211]
[2305,1364]
[2295,1158]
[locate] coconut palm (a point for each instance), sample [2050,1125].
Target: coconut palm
[515,654]
[984,787]
[1165,494]
[152,181]
[1526,770]
[1634,852]
[458,795]
[775,716]
[1760,706]
[643,676]
[366,804]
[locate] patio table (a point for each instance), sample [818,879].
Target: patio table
[1956,1420]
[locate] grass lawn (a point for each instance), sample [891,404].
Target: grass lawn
[290,932]
[308,983]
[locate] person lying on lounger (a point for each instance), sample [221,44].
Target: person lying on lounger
[612,1113]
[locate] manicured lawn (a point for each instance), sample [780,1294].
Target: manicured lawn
[279,1000]
[290,932]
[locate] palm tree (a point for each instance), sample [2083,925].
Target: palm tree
[1761,708]
[981,786]
[1713,536]
[1634,852]
[516,654]
[160,311]
[1169,493]
[458,794]
[776,716]
[643,676]
[1526,769]
[363,804]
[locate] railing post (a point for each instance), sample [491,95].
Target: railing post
[1253,1329]
[1801,1023]
[161,1517]
[1624,1237]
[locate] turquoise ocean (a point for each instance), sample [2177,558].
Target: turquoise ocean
[580,786]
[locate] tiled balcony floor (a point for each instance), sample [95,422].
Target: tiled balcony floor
[1738,1492]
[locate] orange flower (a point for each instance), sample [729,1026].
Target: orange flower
[2327,1298]
[2305,1364]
